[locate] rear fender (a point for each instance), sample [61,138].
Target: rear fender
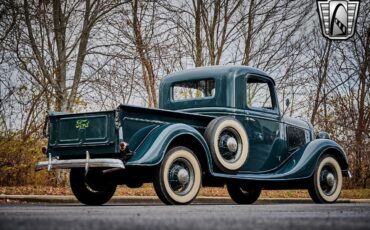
[154,146]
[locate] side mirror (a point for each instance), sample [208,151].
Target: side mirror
[287,103]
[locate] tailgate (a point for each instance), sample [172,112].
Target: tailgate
[74,134]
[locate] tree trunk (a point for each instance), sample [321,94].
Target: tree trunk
[61,71]
[323,72]
[198,39]
[149,76]
[248,39]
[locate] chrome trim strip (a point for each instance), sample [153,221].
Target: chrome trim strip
[347,173]
[144,139]
[158,122]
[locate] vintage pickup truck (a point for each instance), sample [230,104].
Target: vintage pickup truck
[215,126]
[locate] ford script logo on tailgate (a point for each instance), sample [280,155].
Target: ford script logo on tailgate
[82,124]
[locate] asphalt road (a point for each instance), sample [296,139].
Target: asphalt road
[116,216]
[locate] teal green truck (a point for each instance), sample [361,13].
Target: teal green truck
[215,126]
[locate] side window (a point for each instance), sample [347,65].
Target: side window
[193,89]
[258,94]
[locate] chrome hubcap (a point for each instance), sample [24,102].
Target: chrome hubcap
[231,144]
[183,176]
[328,180]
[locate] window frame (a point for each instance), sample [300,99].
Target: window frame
[172,86]
[275,108]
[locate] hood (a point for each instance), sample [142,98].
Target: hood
[297,122]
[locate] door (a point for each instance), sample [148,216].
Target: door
[263,126]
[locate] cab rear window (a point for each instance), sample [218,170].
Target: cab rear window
[198,89]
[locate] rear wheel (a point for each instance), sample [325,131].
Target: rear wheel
[91,189]
[243,194]
[179,177]
[327,181]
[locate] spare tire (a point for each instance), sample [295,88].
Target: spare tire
[228,143]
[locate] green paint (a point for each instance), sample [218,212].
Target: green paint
[82,124]
[150,132]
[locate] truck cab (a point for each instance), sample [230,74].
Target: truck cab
[249,95]
[215,126]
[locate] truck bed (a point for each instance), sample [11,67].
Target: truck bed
[71,135]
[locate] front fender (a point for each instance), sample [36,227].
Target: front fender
[154,146]
[303,163]
[300,165]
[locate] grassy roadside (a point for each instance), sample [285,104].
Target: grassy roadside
[147,190]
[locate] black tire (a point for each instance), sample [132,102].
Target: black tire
[242,194]
[228,158]
[134,184]
[184,185]
[326,183]
[91,189]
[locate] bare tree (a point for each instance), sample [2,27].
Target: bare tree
[149,77]
[219,23]
[198,39]
[52,42]
[347,100]
[357,56]
[322,56]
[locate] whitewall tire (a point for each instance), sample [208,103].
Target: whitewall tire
[179,177]
[228,142]
[327,181]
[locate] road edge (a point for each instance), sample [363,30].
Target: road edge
[155,200]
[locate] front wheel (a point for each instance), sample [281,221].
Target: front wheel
[243,194]
[327,181]
[179,177]
[91,189]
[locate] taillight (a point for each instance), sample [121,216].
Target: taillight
[122,146]
[44,149]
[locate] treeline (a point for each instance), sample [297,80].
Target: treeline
[80,55]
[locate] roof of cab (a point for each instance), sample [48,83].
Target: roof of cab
[212,71]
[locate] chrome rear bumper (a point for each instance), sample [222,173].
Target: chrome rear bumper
[80,163]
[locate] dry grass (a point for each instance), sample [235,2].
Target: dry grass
[147,190]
